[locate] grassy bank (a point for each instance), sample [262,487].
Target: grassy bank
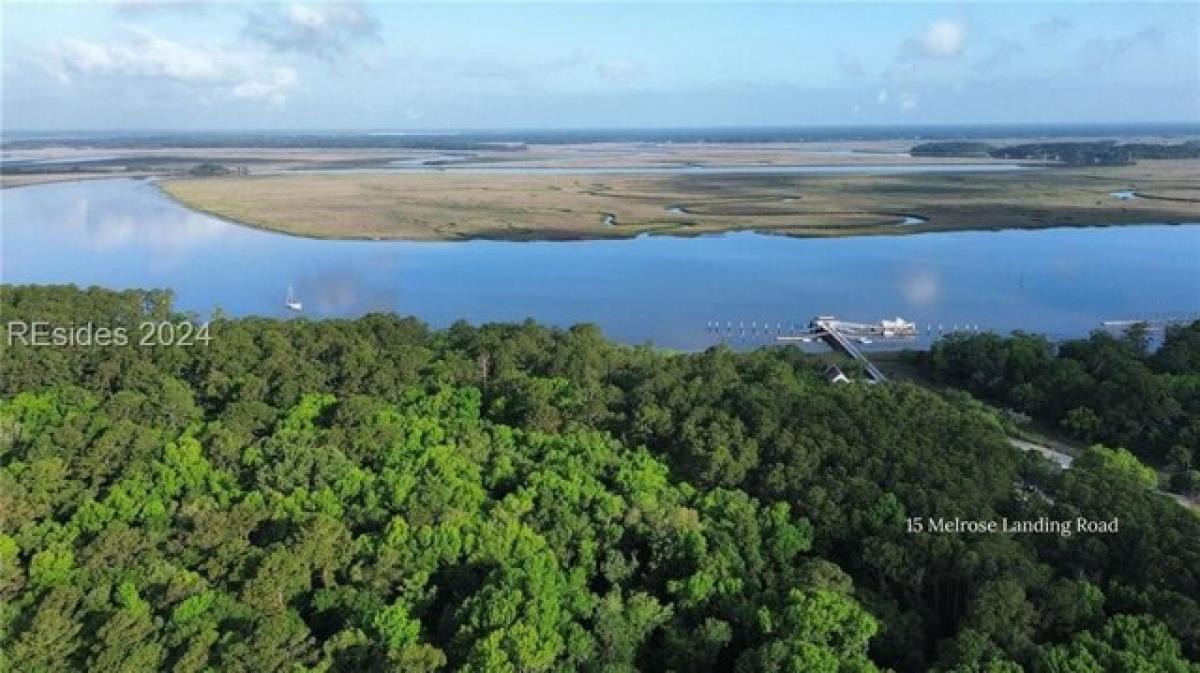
[457,206]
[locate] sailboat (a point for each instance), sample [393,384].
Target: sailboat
[291,301]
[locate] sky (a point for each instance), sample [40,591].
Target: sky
[197,64]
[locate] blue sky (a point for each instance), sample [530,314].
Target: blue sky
[196,64]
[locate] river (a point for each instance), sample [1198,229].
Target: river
[124,233]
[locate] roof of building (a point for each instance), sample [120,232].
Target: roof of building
[835,374]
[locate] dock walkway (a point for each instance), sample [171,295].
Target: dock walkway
[838,341]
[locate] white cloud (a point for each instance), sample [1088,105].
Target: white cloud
[944,38]
[272,87]
[908,101]
[326,30]
[882,96]
[149,57]
[144,55]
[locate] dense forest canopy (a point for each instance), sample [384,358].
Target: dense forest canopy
[1106,389]
[361,495]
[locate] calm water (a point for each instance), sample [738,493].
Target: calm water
[124,233]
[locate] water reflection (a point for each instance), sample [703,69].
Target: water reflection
[339,291]
[124,233]
[104,219]
[920,287]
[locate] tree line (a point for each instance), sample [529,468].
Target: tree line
[1108,389]
[1070,153]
